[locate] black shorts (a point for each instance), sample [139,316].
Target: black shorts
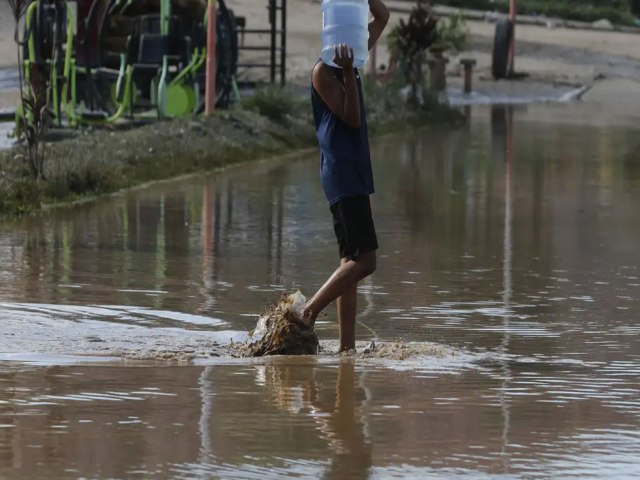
[353,224]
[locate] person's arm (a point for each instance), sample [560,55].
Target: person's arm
[380,14]
[342,99]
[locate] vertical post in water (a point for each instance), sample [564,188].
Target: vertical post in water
[512,46]
[210,89]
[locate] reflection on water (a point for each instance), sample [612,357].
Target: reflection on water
[511,242]
[330,409]
[303,418]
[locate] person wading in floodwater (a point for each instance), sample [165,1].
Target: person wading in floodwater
[347,177]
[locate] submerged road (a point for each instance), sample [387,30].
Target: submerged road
[509,246]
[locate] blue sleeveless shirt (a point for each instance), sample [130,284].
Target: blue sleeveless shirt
[345,160]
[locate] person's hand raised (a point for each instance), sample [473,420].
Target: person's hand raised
[343,56]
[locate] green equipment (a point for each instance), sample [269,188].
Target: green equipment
[104,61]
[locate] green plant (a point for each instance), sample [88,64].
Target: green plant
[82,175]
[382,96]
[453,33]
[19,194]
[617,11]
[408,42]
[272,102]
[36,83]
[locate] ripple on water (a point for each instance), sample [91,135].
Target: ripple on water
[251,470]
[51,333]
[66,334]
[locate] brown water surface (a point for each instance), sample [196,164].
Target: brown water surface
[509,262]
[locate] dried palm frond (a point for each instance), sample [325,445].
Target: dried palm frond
[280,331]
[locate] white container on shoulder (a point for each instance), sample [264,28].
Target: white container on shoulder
[345,21]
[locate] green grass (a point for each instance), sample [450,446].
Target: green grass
[274,103]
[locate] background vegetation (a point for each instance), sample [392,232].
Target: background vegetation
[617,11]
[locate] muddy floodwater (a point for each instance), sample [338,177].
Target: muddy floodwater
[509,267]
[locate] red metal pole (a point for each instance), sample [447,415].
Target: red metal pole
[210,88]
[512,47]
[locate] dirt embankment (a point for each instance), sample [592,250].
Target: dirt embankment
[101,161]
[125,158]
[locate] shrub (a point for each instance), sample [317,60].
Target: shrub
[453,33]
[272,102]
[19,196]
[617,11]
[408,43]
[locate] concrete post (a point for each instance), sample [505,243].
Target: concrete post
[468,64]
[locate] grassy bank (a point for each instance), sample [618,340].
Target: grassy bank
[101,161]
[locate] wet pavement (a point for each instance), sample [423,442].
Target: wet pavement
[511,244]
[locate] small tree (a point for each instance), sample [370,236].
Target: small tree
[408,42]
[453,33]
[32,121]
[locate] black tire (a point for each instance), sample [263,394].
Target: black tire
[502,40]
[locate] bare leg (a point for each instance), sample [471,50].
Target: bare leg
[347,307]
[349,273]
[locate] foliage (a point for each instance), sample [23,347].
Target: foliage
[32,117]
[32,124]
[19,194]
[417,35]
[408,42]
[18,9]
[453,33]
[386,105]
[72,177]
[382,96]
[617,11]
[272,102]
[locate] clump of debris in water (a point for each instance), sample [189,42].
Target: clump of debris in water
[281,330]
